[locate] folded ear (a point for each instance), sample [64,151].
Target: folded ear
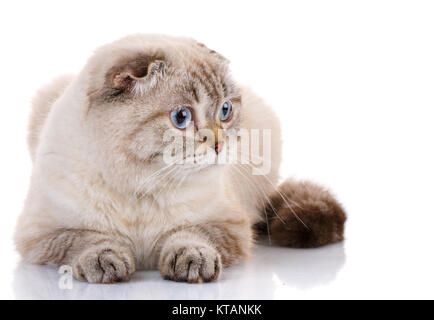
[138,74]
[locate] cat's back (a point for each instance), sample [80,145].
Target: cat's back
[41,106]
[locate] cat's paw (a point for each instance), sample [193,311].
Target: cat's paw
[104,264]
[192,264]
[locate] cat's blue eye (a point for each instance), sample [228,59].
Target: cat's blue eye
[226,111]
[180,117]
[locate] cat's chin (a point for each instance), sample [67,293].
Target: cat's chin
[200,168]
[201,164]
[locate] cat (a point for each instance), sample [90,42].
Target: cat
[104,200]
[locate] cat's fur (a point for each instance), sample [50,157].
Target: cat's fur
[97,200]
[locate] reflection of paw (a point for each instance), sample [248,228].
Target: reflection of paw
[191,264]
[104,264]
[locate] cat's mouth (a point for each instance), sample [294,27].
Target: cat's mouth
[199,162]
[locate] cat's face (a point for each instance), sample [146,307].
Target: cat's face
[151,102]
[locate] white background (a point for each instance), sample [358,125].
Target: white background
[353,84]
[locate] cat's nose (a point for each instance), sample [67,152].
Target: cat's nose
[218,146]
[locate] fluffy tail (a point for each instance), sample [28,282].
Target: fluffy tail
[304,215]
[41,105]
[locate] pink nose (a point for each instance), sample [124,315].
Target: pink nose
[218,147]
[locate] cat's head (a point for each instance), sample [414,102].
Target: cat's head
[148,94]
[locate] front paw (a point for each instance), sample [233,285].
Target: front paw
[190,263]
[104,264]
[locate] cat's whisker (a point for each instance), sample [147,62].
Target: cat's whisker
[167,171]
[148,178]
[167,188]
[280,194]
[167,183]
[162,187]
[259,158]
[268,200]
[284,199]
[273,209]
[263,203]
[182,179]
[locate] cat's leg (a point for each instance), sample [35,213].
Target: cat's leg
[304,215]
[94,257]
[198,253]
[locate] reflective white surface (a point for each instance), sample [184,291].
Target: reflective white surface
[367,267]
[270,273]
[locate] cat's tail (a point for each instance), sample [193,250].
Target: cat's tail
[41,105]
[304,215]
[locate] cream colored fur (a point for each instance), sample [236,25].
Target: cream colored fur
[78,192]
